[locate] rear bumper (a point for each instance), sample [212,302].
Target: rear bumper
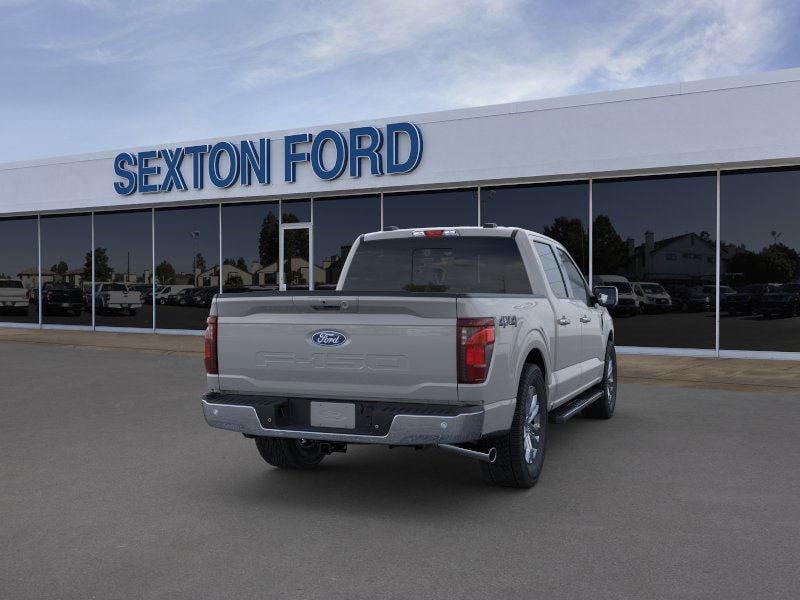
[461,424]
[123,305]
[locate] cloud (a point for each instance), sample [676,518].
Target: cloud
[679,41]
[364,31]
[467,51]
[196,68]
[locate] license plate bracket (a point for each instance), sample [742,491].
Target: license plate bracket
[339,415]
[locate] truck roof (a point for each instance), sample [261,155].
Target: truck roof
[463,231]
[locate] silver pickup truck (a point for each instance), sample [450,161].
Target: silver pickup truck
[470,339]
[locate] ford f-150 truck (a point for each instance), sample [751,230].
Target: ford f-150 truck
[470,339]
[13,296]
[116,298]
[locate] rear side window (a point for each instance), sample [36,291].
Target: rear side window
[10,284]
[574,277]
[551,269]
[456,265]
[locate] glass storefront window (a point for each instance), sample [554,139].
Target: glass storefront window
[337,224]
[296,211]
[760,260]
[249,246]
[19,270]
[187,265]
[654,240]
[431,209]
[66,269]
[557,210]
[123,265]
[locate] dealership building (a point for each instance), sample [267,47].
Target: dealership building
[686,196]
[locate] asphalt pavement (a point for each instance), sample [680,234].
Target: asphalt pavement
[112,486]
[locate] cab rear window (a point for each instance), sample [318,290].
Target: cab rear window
[460,265]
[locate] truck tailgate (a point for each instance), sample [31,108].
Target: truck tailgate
[370,347]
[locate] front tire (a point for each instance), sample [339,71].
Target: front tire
[603,407]
[289,454]
[520,451]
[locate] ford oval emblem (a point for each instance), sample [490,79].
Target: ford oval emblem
[329,337]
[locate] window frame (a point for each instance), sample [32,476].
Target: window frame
[550,246]
[563,252]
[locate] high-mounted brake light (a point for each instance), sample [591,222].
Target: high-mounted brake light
[434,233]
[210,354]
[475,341]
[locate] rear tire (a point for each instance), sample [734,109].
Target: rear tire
[520,451]
[289,454]
[603,407]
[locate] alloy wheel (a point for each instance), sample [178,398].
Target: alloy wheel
[533,427]
[611,383]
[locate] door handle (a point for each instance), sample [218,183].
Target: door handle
[586,319]
[564,321]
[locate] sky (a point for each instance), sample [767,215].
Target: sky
[88,75]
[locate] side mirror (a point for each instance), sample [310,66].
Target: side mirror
[606,295]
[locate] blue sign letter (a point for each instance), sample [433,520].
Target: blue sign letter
[371,151]
[317,148]
[120,161]
[290,157]
[213,164]
[253,161]
[393,131]
[145,171]
[197,152]
[173,176]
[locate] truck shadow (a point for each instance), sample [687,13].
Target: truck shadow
[375,480]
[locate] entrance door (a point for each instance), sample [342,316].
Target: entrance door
[296,260]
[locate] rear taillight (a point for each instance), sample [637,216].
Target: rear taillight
[210,336]
[475,346]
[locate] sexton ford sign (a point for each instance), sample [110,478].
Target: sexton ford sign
[225,164]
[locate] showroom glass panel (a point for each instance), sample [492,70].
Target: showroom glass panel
[19,270]
[296,211]
[760,260]
[67,269]
[250,246]
[654,240]
[558,210]
[337,224]
[123,265]
[187,270]
[446,208]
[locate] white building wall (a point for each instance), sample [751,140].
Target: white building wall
[720,122]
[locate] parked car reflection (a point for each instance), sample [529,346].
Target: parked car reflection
[747,301]
[690,299]
[62,298]
[116,298]
[783,302]
[14,297]
[652,297]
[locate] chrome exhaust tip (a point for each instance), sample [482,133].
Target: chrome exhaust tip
[488,457]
